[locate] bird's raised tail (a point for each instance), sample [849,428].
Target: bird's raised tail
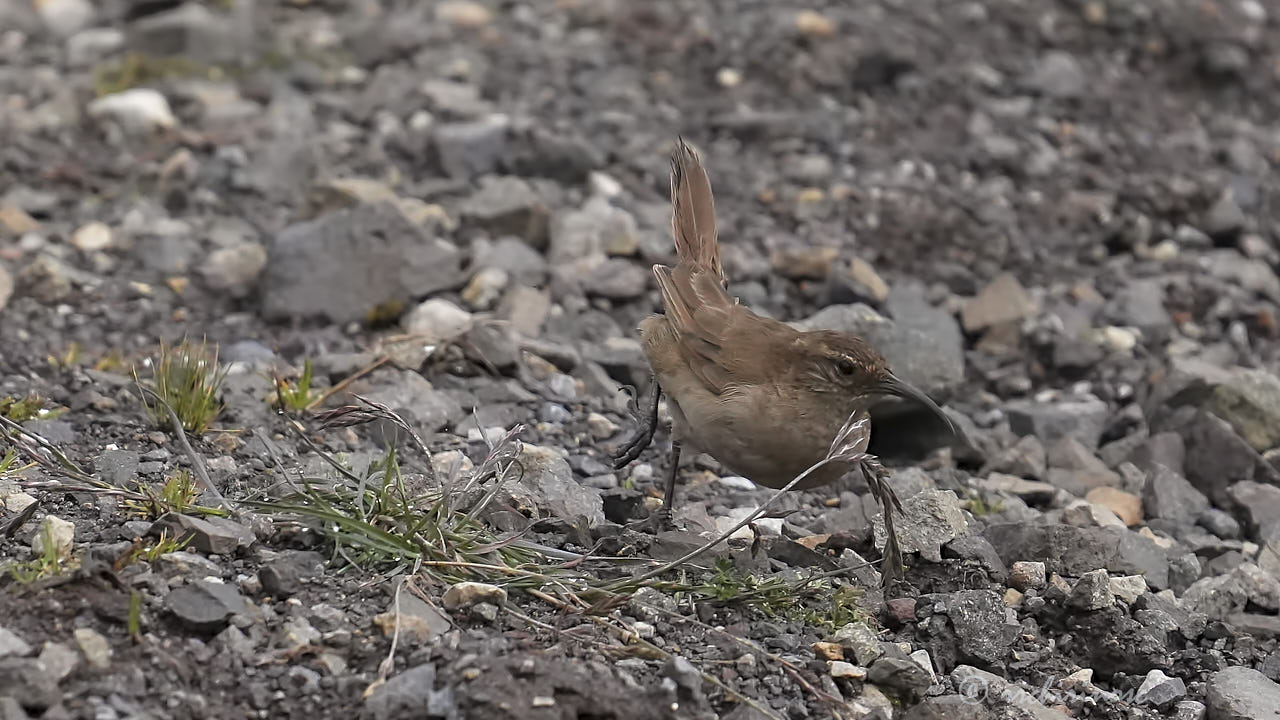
[693,216]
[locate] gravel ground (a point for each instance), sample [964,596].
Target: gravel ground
[1060,218]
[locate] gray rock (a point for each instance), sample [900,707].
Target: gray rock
[1092,591]
[977,549]
[1083,418]
[404,695]
[931,519]
[1140,303]
[11,644]
[590,230]
[505,206]
[1216,597]
[1170,496]
[1241,693]
[1002,301]
[1250,401]
[189,30]
[1159,690]
[1225,220]
[27,681]
[91,45]
[213,535]
[46,278]
[414,398]
[235,269]
[688,681]
[285,575]
[1025,574]
[1255,276]
[473,148]
[118,467]
[899,673]
[1218,458]
[859,639]
[1074,551]
[1219,523]
[855,282]
[1057,74]
[205,606]
[951,707]
[351,264]
[60,659]
[548,487]
[617,279]
[523,264]
[985,627]
[6,286]
[1025,459]
[1189,710]
[1164,448]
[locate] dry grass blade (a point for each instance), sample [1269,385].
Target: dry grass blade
[197,460]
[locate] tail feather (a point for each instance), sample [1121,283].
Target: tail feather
[693,217]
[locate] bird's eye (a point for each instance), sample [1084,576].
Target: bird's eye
[844,365]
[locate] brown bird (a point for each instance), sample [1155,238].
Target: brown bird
[762,398]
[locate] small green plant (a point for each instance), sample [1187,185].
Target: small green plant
[136,69]
[27,408]
[143,550]
[9,462]
[297,395]
[815,601]
[187,378]
[980,507]
[48,563]
[177,495]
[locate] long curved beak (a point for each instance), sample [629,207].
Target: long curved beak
[893,385]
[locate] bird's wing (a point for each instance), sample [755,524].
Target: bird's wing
[716,337]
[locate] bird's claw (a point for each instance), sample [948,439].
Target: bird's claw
[646,423]
[657,521]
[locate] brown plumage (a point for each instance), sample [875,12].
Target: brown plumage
[764,399]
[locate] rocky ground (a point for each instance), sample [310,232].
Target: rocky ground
[1058,217]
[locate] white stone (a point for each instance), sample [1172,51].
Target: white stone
[438,320]
[65,17]
[466,594]
[737,482]
[61,532]
[92,237]
[139,110]
[96,649]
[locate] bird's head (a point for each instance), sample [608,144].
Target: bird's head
[846,366]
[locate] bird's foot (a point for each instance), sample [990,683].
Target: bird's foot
[646,423]
[660,520]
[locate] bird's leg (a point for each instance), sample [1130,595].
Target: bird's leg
[669,492]
[662,518]
[877,478]
[646,423]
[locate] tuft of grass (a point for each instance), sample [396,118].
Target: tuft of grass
[188,378]
[48,563]
[373,520]
[178,495]
[298,395]
[151,551]
[979,507]
[9,462]
[818,601]
[26,408]
[136,69]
